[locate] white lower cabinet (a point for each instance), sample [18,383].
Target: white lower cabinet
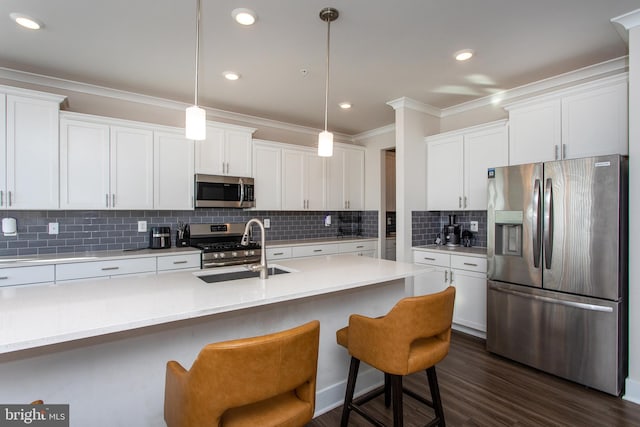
[108,268]
[468,274]
[13,276]
[178,262]
[362,248]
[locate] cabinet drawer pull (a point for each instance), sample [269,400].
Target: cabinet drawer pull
[358,247]
[429,259]
[317,250]
[4,277]
[471,264]
[110,268]
[179,262]
[278,253]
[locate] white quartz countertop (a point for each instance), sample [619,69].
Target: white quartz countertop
[457,250]
[64,258]
[37,315]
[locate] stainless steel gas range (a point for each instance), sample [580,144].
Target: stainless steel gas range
[221,245]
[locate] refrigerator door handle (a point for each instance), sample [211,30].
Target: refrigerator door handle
[536,224]
[548,223]
[574,304]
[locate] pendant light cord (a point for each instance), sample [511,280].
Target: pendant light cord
[326,93]
[195,101]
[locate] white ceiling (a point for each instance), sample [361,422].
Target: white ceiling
[380,50]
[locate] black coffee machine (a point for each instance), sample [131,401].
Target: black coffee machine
[451,232]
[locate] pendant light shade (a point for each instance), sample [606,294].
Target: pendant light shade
[196,118]
[325,144]
[325,138]
[195,123]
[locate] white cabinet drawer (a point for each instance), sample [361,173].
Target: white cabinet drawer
[26,275]
[278,253]
[469,263]
[83,270]
[178,262]
[431,258]
[368,245]
[314,250]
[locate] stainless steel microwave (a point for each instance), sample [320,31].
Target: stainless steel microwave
[218,191]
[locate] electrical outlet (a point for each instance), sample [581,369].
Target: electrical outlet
[142,226]
[473,226]
[327,220]
[267,223]
[53,228]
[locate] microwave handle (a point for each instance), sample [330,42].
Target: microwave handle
[241,192]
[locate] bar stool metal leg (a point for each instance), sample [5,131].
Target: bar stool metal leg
[435,395]
[387,390]
[396,392]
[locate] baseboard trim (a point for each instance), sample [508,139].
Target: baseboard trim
[632,391]
[333,396]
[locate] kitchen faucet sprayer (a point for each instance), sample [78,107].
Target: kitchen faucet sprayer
[262,267]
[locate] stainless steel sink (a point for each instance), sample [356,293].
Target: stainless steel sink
[235,275]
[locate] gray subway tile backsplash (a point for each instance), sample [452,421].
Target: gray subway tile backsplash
[89,231]
[426,225]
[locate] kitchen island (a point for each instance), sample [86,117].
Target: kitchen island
[102,345]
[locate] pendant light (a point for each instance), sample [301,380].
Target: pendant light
[196,117]
[325,138]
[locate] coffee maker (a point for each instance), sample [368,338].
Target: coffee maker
[451,232]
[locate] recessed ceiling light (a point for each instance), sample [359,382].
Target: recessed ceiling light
[345,105]
[463,55]
[26,21]
[244,16]
[231,75]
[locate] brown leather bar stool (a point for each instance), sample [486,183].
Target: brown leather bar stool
[261,381]
[413,336]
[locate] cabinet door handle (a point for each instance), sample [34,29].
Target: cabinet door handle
[179,262]
[1,198]
[451,276]
[446,276]
[106,200]
[110,268]
[113,200]
[429,259]
[360,246]
[317,250]
[471,264]
[10,201]
[564,151]
[465,202]
[459,202]
[4,277]
[278,253]
[555,152]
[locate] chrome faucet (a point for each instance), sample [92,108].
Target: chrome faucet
[262,267]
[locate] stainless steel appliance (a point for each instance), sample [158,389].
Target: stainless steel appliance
[557,268]
[221,245]
[451,232]
[159,237]
[217,191]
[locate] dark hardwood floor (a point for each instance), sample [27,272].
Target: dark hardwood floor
[481,389]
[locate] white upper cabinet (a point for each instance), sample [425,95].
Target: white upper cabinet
[345,179]
[303,180]
[457,164]
[173,169]
[29,145]
[586,120]
[226,151]
[267,172]
[105,164]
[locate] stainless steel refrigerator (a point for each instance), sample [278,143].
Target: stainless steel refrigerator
[557,268]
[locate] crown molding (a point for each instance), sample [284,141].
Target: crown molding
[412,104]
[375,132]
[102,91]
[592,72]
[624,23]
